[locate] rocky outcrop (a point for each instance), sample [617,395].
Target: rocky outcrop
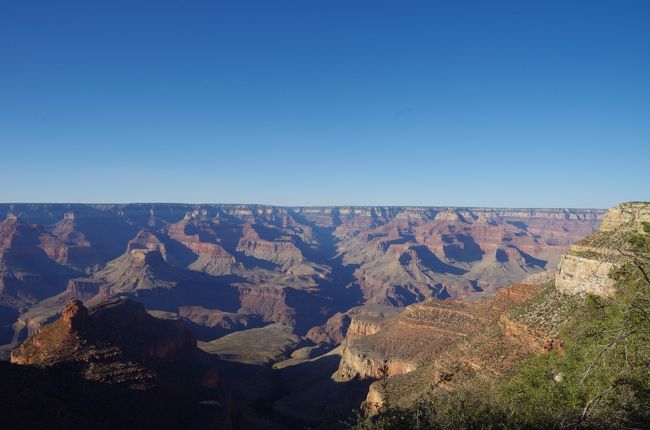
[632,214]
[356,364]
[332,332]
[108,343]
[280,251]
[587,265]
[138,269]
[142,269]
[267,302]
[578,275]
[69,246]
[198,235]
[213,318]
[114,365]
[357,322]
[146,240]
[85,288]
[74,316]
[360,327]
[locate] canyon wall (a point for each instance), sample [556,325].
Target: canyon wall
[587,265]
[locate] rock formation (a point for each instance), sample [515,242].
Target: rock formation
[420,333]
[107,341]
[114,352]
[586,267]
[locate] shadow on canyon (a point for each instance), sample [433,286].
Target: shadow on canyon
[299,396]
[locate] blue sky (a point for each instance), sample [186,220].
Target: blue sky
[468,103]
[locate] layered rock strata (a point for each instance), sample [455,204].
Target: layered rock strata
[587,265]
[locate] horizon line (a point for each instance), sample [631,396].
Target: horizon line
[309,206]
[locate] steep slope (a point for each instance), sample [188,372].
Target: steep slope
[106,340]
[358,321]
[142,271]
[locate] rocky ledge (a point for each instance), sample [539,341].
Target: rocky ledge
[586,267]
[402,343]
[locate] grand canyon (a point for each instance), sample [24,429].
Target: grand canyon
[226,268]
[283,316]
[324,215]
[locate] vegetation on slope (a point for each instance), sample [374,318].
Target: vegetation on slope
[600,378]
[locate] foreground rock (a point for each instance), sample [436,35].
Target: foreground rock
[586,267]
[118,350]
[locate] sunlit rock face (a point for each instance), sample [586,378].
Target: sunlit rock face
[587,265]
[577,275]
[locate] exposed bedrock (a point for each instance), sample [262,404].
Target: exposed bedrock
[587,265]
[578,275]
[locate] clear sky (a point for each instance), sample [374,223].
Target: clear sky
[322,102]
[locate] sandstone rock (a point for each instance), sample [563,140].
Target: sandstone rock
[627,213]
[587,265]
[27,273]
[578,275]
[74,315]
[332,332]
[106,339]
[146,240]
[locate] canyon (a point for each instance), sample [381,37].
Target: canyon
[439,345]
[283,299]
[225,268]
